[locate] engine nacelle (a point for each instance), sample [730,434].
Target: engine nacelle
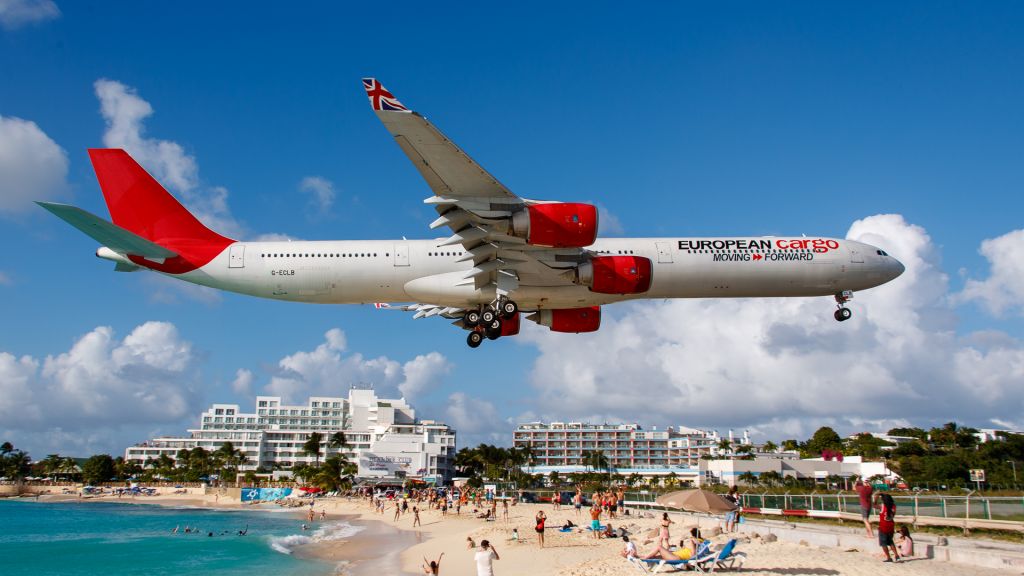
[559,225]
[574,320]
[616,274]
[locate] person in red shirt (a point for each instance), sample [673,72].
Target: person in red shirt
[887,527]
[864,492]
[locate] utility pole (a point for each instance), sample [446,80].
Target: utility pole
[1013,465]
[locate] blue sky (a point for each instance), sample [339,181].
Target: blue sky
[676,118]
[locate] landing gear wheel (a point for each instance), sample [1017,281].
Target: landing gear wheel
[472,318]
[474,339]
[843,314]
[488,315]
[509,308]
[493,330]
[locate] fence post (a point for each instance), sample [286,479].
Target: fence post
[916,496]
[967,511]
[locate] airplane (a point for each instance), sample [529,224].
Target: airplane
[506,256]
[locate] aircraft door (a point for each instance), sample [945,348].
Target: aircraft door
[236,256]
[401,254]
[856,256]
[664,252]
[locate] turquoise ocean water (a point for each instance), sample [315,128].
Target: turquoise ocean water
[92,539]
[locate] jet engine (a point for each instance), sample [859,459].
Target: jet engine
[574,320]
[615,274]
[558,224]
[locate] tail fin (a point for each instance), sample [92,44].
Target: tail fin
[139,204]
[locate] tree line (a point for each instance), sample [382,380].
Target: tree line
[187,465]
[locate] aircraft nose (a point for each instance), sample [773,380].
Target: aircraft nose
[897,268]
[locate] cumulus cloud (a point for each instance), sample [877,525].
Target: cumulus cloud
[608,224]
[476,420]
[125,113]
[1003,290]
[34,167]
[330,368]
[785,366]
[101,382]
[242,383]
[321,191]
[17,13]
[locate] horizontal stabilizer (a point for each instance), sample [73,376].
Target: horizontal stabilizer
[108,234]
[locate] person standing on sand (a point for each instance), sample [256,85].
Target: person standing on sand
[577,502]
[595,520]
[864,493]
[485,558]
[887,527]
[504,510]
[663,535]
[398,510]
[539,528]
[416,517]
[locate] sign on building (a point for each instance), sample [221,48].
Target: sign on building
[977,475]
[380,465]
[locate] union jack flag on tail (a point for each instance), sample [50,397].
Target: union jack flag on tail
[380,98]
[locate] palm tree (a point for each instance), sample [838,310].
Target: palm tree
[635,479]
[51,464]
[338,441]
[748,478]
[227,459]
[312,446]
[771,477]
[554,479]
[68,467]
[769,446]
[724,445]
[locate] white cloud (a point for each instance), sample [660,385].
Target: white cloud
[1003,290]
[17,13]
[34,167]
[330,368]
[243,382]
[608,224]
[101,383]
[785,364]
[321,191]
[125,112]
[476,420]
[5,280]
[423,373]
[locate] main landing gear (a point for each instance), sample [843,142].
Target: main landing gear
[842,312]
[486,322]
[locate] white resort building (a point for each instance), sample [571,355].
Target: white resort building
[560,446]
[383,435]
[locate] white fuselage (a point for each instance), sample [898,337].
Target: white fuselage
[367,271]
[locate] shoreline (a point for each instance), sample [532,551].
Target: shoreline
[383,546]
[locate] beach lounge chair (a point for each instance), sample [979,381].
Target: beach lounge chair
[725,558]
[658,565]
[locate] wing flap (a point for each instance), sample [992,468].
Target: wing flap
[106,233]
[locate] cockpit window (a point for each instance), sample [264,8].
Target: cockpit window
[881,252]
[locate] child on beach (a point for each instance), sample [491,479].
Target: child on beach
[905,542]
[541,519]
[887,526]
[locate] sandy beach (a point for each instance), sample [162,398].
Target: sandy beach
[389,547]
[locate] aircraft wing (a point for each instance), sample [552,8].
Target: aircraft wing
[472,203]
[108,234]
[449,171]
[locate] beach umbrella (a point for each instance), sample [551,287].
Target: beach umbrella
[696,500]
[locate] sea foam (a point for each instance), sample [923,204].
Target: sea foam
[326,533]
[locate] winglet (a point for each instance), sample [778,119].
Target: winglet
[380,99]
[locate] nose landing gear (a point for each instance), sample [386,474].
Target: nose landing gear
[843,313]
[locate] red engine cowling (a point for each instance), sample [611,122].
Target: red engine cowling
[510,326]
[616,274]
[559,225]
[574,320]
